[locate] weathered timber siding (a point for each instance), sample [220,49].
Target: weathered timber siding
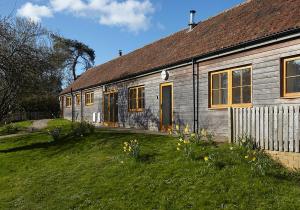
[266,81]
[266,66]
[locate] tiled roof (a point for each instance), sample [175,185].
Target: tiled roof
[249,21]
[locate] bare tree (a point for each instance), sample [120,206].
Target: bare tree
[26,59]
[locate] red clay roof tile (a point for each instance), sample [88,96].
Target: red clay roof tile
[249,21]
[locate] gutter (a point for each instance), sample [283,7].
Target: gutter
[253,44]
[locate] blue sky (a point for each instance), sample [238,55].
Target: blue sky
[110,25]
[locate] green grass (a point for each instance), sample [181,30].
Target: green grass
[21,126]
[93,173]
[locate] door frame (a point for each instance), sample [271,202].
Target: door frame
[110,124]
[160,104]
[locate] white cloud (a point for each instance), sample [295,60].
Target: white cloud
[72,5]
[34,12]
[133,15]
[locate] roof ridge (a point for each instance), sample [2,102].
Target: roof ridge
[169,35]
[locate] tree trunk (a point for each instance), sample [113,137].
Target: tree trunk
[74,67]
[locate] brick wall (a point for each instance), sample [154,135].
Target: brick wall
[288,159]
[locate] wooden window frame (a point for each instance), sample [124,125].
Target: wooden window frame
[283,79]
[138,108]
[68,101]
[229,89]
[78,98]
[91,99]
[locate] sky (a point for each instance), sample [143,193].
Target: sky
[110,25]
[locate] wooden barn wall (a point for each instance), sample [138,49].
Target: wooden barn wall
[266,90]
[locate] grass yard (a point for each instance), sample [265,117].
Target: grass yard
[14,127]
[94,173]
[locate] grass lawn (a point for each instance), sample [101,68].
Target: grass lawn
[19,126]
[93,173]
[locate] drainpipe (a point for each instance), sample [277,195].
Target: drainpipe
[81,106]
[73,104]
[195,97]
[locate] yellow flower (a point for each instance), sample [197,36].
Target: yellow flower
[126,143]
[186,129]
[254,159]
[231,148]
[179,144]
[122,161]
[177,127]
[206,158]
[204,132]
[129,149]
[181,140]
[246,157]
[178,148]
[186,141]
[193,135]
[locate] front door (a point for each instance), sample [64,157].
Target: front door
[110,107]
[166,106]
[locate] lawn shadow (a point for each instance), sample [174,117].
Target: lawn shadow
[147,158]
[67,139]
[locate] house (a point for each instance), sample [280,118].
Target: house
[244,57]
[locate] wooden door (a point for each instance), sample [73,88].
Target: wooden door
[166,106]
[110,108]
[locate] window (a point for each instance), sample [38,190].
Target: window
[231,88]
[78,99]
[136,100]
[291,77]
[89,98]
[68,101]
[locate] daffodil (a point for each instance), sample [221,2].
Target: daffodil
[179,144]
[204,132]
[122,161]
[231,148]
[206,158]
[181,140]
[246,157]
[187,129]
[254,159]
[193,135]
[186,141]
[178,148]
[177,127]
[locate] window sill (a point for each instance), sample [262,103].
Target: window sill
[89,104]
[293,96]
[231,106]
[136,110]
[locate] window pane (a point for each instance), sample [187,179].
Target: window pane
[293,68]
[92,97]
[141,99]
[236,95]
[224,97]
[215,81]
[247,94]
[224,80]
[293,84]
[246,77]
[215,97]
[236,78]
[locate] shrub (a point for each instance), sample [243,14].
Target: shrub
[55,133]
[11,129]
[82,129]
[247,142]
[132,149]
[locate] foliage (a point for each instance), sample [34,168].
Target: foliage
[259,162]
[88,173]
[27,65]
[10,128]
[132,148]
[74,54]
[81,129]
[55,133]
[188,142]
